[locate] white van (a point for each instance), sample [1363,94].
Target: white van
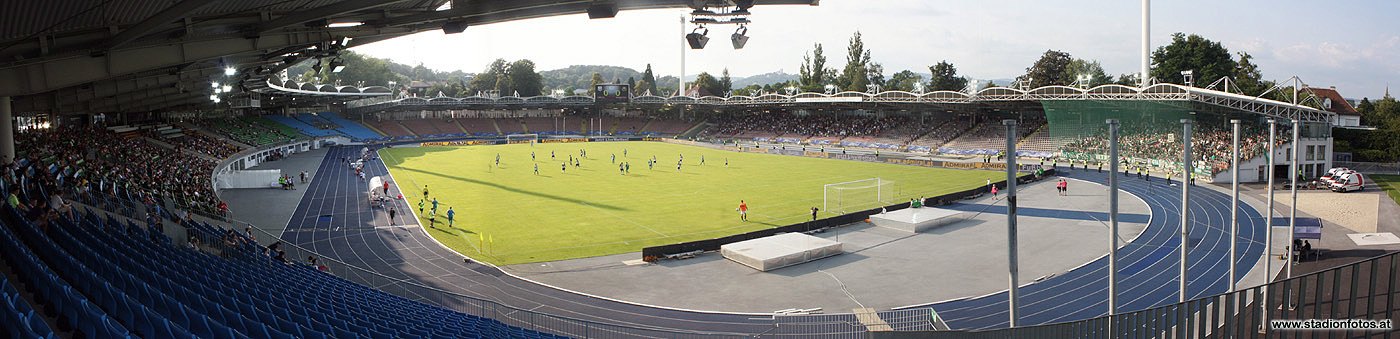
[1348,182]
[1332,174]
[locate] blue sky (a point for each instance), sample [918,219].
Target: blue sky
[1353,45]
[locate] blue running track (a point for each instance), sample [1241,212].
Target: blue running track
[334,219]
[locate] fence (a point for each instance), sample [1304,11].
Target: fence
[1362,290]
[1370,167]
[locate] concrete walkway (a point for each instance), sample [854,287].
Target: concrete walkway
[881,268]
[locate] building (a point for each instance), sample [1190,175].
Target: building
[1332,101]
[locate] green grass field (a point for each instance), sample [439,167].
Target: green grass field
[1390,184]
[595,210]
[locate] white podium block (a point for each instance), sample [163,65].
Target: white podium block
[778,251]
[916,220]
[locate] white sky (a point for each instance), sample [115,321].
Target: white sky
[1353,45]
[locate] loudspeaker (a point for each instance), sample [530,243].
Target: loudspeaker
[454,27]
[602,10]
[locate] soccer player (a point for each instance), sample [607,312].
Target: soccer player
[678,166]
[619,170]
[537,169]
[743,211]
[551,155]
[420,206]
[532,156]
[702,160]
[498,159]
[726,162]
[624,152]
[577,164]
[563,167]
[425,191]
[627,167]
[435,205]
[614,158]
[651,165]
[450,215]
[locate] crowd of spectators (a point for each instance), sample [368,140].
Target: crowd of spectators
[812,125]
[1210,144]
[88,160]
[203,144]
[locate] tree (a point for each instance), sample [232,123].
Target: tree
[945,78]
[725,83]
[524,79]
[489,79]
[854,76]
[1248,77]
[1208,60]
[1367,111]
[1128,79]
[814,74]
[1086,67]
[876,74]
[593,83]
[1048,70]
[708,85]
[904,81]
[649,79]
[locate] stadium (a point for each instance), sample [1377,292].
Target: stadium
[166,178]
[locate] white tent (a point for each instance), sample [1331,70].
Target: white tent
[376,186]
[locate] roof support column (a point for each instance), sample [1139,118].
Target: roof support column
[7,130]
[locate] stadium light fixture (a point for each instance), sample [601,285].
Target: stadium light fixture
[214,97]
[344,24]
[740,37]
[230,70]
[227,88]
[1186,77]
[214,84]
[697,38]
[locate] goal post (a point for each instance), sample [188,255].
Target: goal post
[855,195]
[522,138]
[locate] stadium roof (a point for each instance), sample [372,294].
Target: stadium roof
[989,99]
[135,55]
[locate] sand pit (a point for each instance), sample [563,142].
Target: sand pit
[1354,211]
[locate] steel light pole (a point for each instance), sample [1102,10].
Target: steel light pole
[1011,293]
[1112,217]
[1292,207]
[1185,199]
[1234,200]
[1269,226]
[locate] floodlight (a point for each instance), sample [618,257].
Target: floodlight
[230,70]
[698,38]
[227,88]
[214,84]
[740,37]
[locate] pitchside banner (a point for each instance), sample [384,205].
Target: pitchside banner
[457,143]
[564,140]
[915,162]
[814,154]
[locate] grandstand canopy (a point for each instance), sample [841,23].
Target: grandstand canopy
[77,56]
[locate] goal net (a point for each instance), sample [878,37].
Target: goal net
[522,138]
[851,196]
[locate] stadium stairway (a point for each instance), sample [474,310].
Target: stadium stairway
[497,126]
[405,128]
[460,128]
[694,130]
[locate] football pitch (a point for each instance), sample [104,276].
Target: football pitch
[506,214]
